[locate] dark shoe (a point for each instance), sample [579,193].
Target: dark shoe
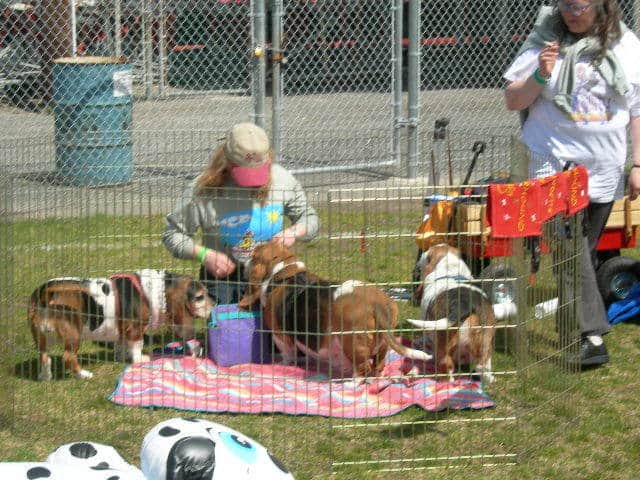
[590,355]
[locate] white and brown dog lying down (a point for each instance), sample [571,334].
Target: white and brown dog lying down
[119,309]
[347,326]
[456,312]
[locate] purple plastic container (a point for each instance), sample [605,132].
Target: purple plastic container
[237,337]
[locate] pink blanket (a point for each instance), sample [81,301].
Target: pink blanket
[187,383]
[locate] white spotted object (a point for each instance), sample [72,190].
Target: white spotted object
[94,457]
[208,450]
[52,471]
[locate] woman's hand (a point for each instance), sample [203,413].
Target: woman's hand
[547,58]
[633,184]
[218,264]
[521,93]
[286,237]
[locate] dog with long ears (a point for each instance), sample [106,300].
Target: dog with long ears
[457,312]
[119,309]
[347,325]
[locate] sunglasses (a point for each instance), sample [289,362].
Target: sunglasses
[573,8]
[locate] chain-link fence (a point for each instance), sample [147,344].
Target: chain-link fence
[302,68]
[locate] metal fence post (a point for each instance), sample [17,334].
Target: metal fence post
[413,87]
[162,44]
[117,25]
[147,51]
[74,28]
[258,71]
[277,14]
[396,79]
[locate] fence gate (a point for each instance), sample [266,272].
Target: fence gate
[335,76]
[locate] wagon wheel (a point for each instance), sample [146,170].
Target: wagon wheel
[604,255]
[616,277]
[498,282]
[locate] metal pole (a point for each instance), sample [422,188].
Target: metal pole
[147,61]
[413,87]
[259,70]
[74,27]
[117,26]
[148,66]
[396,79]
[277,14]
[161,49]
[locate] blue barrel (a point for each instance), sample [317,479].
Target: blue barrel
[92,105]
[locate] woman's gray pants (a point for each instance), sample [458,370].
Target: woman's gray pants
[589,316]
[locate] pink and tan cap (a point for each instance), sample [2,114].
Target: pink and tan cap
[247,148]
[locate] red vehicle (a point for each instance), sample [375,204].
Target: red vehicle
[466,215]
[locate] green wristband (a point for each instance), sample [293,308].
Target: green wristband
[540,80]
[202,253]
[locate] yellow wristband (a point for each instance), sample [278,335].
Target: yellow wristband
[202,253]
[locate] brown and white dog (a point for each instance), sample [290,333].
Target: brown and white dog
[457,312]
[347,326]
[119,309]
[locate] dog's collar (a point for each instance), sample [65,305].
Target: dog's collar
[442,284]
[277,268]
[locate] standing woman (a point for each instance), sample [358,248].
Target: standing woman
[238,202]
[577,82]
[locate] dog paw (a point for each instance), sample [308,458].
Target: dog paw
[84,374]
[356,383]
[488,378]
[411,377]
[44,375]
[414,371]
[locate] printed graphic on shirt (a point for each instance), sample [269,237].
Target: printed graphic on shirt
[589,102]
[243,231]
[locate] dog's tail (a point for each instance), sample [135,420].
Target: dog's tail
[385,321]
[441,324]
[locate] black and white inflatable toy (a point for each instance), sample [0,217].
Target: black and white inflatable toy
[199,449]
[95,457]
[52,471]
[75,461]
[176,449]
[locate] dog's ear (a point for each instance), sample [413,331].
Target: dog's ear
[257,274]
[251,296]
[417,295]
[289,271]
[416,279]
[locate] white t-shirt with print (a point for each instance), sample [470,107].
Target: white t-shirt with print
[596,133]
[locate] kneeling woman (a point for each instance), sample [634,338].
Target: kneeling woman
[238,202]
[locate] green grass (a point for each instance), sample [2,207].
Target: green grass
[548,423]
